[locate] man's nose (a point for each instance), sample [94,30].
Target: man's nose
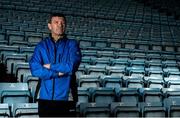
[60,25]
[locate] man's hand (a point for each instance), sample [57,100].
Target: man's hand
[60,74]
[47,66]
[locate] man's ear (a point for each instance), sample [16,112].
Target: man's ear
[49,26]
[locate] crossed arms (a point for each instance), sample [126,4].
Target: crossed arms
[48,71]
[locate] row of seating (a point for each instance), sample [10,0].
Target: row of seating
[129,109]
[125,95]
[114,109]
[116,10]
[17,65]
[123,69]
[111,52]
[12,36]
[128,81]
[22,71]
[13,93]
[14,30]
[166,6]
[19,110]
[134,95]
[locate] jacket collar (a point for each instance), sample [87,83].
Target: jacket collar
[52,39]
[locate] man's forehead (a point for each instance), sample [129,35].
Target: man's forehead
[58,18]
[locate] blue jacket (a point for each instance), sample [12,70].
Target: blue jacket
[63,56]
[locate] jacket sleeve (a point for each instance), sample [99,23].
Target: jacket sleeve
[37,68]
[72,65]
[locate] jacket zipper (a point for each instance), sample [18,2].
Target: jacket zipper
[53,79]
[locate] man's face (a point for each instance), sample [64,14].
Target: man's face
[57,26]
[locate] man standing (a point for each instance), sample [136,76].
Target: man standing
[55,61]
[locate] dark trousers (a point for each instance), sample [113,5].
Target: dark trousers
[49,108]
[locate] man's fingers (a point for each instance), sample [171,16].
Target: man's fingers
[46,66]
[61,74]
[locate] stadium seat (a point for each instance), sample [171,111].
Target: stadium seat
[100,43]
[173,106]
[128,109]
[15,36]
[153,109]
[135,70]
[103,95]
[143,45]
[127,94]
[89,53]
[105,54]
[11,60]
[104,61]
[118,71]
[94,110]
[134,82]
[98,70]
[22,71]
[151,94]
[4,49]
[14,93]
[119,62]
[25,110]
[173,83]
[112,82]
[154,82]
[27,51]
[5,112]
[84,95]
[86,42]
[33,38]
[32,85]
[89,81]
[171,92]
